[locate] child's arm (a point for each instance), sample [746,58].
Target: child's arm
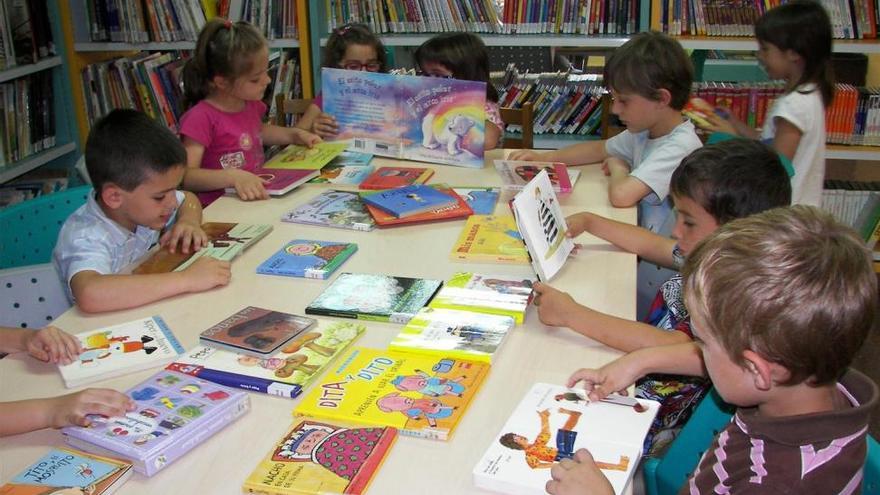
[631,238]
[187,230]
[493,136]
[787,137]
[576,154]
[318,122]
[578,476]
[56,412]
[247,185]
[48,344]
[273,134]
[624,190]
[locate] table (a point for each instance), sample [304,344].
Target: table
[599,275]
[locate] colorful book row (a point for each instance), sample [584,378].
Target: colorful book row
[415,16]
[25,33]
[570,16]
[27,117]
[854,116]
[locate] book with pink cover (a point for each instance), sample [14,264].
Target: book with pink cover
[516,174]
[278,181]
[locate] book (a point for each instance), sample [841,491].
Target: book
[295,156]
[554,422]
[391,177]
[340,209]
[255,331]
[421,396]
[308,259]
[540,221]
[321,457]
[175,413]
[516,174]
[351,159]
[374,297]
[452,333]
[417,118]
[64,469]
[278,181]
[121,349]
[225,242]
[490,238]
[349,167]
[409,200]
[481,199]
[492,294]
[459,209]
[285,373]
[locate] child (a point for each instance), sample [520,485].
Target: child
[781,302]
[55,346]
[222,131]
[136,166]
[350,47]
[463,56]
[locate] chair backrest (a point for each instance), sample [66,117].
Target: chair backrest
[289,106]
[871,479]
[32,296]
[524,118]
[29,230]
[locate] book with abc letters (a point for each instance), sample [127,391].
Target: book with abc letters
[308,259]
[255,331]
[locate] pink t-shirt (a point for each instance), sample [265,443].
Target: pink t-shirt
[231,139]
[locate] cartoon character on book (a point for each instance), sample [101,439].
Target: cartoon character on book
[549,224]
[429,409]
[426,384]
[342,451]
[101,346]
[508,286]
[452,135]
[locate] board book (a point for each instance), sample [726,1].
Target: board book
[459,209]
[392,177]
[318,457]
[63,468]
[339,209]
[490,239]
[492,294]
[279,181]
[374,297]
[420,396]
[296,156]
[556,421]
[174,413]
[409,200]
[481,199]
[225,242]
[350,168]
[121,349]
[308,259]
[255,331]
[515,174]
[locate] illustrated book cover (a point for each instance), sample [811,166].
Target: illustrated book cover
[421,396]
[481,199]
[459,209]
[63,471]
[255,331]
[492,294]
[121,349]
[409,200]
[308,259]
[516,174]
[296,156]
[339,209]
[278,181]
[174,413]
[285,373]
[417,118]
[490,238]
[320,457]
[392,177]
[374,297]
[349,168]
[550,424]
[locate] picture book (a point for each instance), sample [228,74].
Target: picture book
[540,221]
[69,471]
[295,156]
[408,200]
[391,177]
[255,331]
[374,297]
[121,349]
[516,174]
[278,181]
[421,396]
[459,209]
[490,238]
[550,424]
[340,209]
[351,159]
[492,294]
[225,242]
[345,172]
[174,413]
[319,457]
[452,333]
[308,259]
[417,118]
[481,199]
[285,373]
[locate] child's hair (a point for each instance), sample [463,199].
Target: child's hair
[353,34]
[464,54]
[803,27]
[733,179]
[649,62]
[791,284]
[223,49]
[126,146]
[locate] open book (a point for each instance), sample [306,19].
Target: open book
[225,242]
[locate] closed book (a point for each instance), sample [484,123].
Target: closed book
[308,259]
[225,242]
[409,200]
[490,238]
[295,156]
[492,294]
[278,181]
[392,177]
[64,469]
[351,175]
[255,331]
[516,174]
[459,209]
[481,199]
[339,209]
[374,297]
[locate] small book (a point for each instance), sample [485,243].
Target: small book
[481,199]
[295,156]
[550,424]
[351,159]
[392,177]
[174,413]
[459,209]
[339,209]
[421,396]
[308,259]
[490,238]
[374,297]
[285,373]
[279,181]
[409,200]
[321,457]
[516,174]
[255,331]
[121,349]
[492,294]
[351,175]
[69,471]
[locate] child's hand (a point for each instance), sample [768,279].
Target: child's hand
[721,120]
[52,345]
[206,273]
[578,476]
[577,224]
[72,409]
[525,155]
[614,377]
[554,306]
[248,186]
[325,125]
[305,138]
[613,163]
[190,236]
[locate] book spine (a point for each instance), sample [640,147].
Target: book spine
[235,380]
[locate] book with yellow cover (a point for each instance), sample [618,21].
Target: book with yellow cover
[420,396]
[492,294]
[490,238]
[299,157]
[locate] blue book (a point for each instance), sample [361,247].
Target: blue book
[410,200]
[481,199]
[309,259]
[68,468]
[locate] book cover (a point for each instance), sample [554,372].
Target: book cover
[490,238]
[409,200]
[374,297]
[255,331]
[308,259]
[550,424]
[481,199]
[175,413]
[121,349]
[459,209]
[285,373]
[278,181]
[420,396]
[320,457]
[295,156]
[340,209]
[69,471]
[351,159]
[516,174]
[492,294]
[391,177]
[417,118]
[352,174]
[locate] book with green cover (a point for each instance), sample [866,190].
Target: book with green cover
[300,157]
[493,294]
[374,297]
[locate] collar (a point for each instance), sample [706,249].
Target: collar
[117,233]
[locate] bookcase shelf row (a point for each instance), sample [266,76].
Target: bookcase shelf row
[24,70]
[161,46]
[13,170]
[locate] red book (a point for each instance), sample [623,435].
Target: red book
[391,177]
[458,210]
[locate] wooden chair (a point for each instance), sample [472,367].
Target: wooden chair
[523,117]
[289,106]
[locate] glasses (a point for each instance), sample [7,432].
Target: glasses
[354,65]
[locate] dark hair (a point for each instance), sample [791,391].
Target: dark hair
[464,54]
[647,63]
[126,146]
[353,34]
[803,27]
[508,441]
[223,49]
[733,179]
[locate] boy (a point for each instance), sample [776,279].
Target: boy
[781,302]
[135,166]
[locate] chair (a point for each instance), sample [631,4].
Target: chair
[289,106]
[524,118]
[32,296]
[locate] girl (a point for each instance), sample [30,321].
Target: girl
[463,56]
[222,131]
[794,44]
[351,47]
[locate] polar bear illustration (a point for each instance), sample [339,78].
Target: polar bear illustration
[453,133]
